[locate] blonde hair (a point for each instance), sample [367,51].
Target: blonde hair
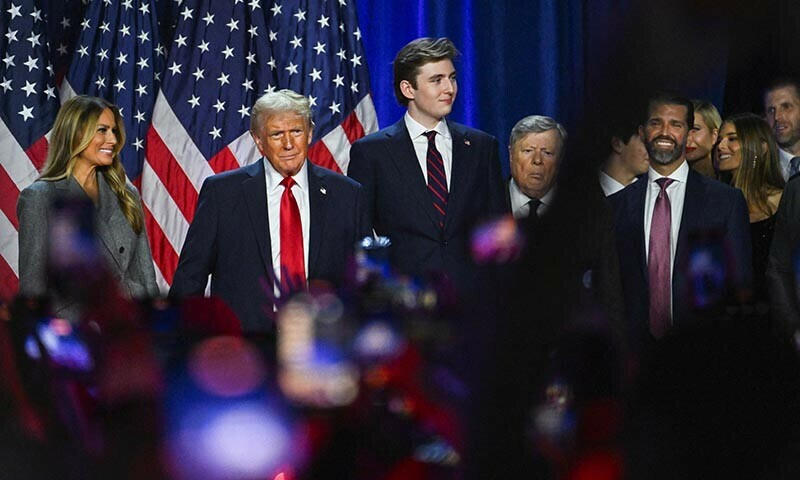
[73,130]
[758,174]
[709,112]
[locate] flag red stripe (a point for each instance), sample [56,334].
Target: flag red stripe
[163,253]
[38,153]
[223,161]
[171,174]
[320,155]
[8,200]
[352,127]
[9,285]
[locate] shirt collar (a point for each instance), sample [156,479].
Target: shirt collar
[515,192]
[785,156]
[679,175]
[274,178]
[415,129]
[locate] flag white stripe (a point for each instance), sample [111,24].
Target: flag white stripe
[14,160]
[163,208]
[244,149]
[179,143]
[9,243]
[365,112]
[339,145]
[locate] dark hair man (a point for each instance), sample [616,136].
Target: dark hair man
[657,218]
[427,179]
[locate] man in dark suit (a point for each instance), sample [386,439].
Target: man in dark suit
[663,219]
[782,265]
[428,180]
[264,230]
[571,254]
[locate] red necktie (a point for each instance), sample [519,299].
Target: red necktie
[437,181]
[293,271]
[658,262]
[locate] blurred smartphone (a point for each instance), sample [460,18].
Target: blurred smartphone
[74,263]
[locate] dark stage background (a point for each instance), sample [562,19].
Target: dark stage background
[577,60]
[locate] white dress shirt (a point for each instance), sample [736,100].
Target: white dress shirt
[274,193]
[444,143]
[609,185]
[784,160]
[677,194]
[519,201]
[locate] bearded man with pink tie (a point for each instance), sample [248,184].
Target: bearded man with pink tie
[683,239]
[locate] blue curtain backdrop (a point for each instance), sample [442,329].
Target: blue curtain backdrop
[521,57]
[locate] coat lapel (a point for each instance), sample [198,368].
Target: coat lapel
[113,229]
[691,217]
[462,166]
[254,190]
[317,199]
[402,153]
[636,216]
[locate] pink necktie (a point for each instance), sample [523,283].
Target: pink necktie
[658,262]
[293,271]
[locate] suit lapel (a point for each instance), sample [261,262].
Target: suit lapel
[317,196]
[636,216]
[113,228]
[462,166]
[692,216]
[401,151]
[254,190]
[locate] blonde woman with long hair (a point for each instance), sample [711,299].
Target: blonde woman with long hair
[83,161]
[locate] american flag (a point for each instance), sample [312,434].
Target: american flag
[186,101]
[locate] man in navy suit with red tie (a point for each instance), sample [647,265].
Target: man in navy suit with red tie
[428,180]
[264,230]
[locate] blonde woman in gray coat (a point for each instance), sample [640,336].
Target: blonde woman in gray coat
[83,161]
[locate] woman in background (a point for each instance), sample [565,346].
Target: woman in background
[83,162]
[702,137]
[748,151]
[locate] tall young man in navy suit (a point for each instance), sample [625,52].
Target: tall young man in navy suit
[677,230]
[428,180]
[280,221]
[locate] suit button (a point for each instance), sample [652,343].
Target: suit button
[121,249]
[444,243]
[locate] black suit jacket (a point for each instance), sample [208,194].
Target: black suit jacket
[229,239]
[781,266]
[709,207]
[400,207]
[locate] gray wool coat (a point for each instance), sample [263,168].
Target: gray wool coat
[127,254]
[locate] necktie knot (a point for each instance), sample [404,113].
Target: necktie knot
[794,166]
[288,182]
[533,205]
[664,182]
[431,134]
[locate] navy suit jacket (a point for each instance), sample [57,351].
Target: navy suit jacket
[229,239]
[400,207]
[709,207]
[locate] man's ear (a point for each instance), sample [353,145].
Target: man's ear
[407,89]
[616,145]
[257,141]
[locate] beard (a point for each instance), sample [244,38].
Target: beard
[664,157]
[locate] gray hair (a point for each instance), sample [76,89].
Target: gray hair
[281,101]
[537,124]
